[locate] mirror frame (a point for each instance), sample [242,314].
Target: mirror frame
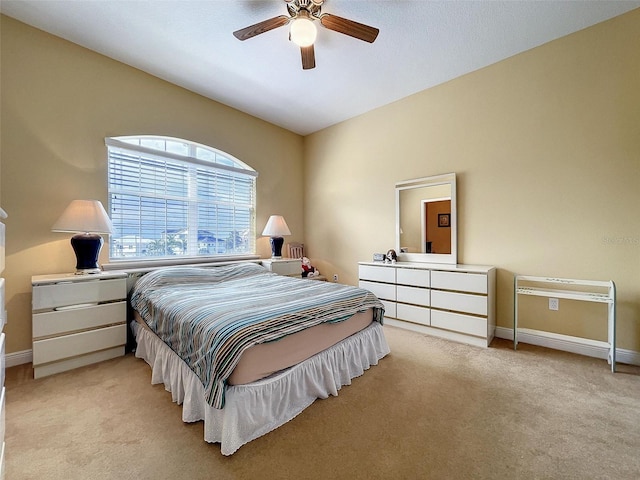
[447,258]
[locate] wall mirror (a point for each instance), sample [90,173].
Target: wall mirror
[426,220]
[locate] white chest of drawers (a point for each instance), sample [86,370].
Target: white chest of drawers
[3,321]
[77,320]
[456,302]
[284,266]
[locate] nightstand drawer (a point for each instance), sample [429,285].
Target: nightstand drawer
[52,349]
[287,267]
[79,292]
[54,323]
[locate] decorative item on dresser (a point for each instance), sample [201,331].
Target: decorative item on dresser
[77,320]
[456,302]
[3,321]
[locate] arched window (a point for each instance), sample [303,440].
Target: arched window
[170,197]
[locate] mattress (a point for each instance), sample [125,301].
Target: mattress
[265,359]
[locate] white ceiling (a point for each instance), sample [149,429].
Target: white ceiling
[421,44]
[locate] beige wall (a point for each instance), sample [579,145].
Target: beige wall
[59,102]
[546,148]
[545,145]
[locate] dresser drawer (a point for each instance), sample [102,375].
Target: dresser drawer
[2,239]
[2,419]
[3,312]
[412,313]
[52,349]
[383,291]
[2,359]
[80,292]
[377,274]
[415,295]
[389,308]
[462,282]
[412,276]
[2,477]
[459,302]
[458,322]
[2,414]
[55,323]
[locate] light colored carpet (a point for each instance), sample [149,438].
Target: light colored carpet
[431,409]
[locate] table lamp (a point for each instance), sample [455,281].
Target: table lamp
[87,219]
[276,228]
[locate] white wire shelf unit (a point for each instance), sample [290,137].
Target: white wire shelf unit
[573,290]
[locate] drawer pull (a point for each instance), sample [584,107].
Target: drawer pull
[73,307]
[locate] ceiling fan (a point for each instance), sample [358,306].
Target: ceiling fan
[302,15]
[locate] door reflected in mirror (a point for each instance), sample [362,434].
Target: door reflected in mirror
[426,219]
[437,231]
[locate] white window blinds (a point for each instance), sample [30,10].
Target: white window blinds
[170,197]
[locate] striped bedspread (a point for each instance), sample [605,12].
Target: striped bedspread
[209,316]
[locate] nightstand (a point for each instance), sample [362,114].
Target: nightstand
[77,320]
[291,267]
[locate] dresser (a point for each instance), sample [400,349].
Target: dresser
[456,302]
[77,320]
[3,321]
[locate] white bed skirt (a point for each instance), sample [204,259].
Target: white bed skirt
[257,408]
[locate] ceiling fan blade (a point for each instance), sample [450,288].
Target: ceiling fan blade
[261,27]
[349,27]
[308,57]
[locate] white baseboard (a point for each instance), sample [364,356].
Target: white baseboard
[18,358]
[565,343]
[557,342]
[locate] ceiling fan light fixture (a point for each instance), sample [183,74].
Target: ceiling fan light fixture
[303,32]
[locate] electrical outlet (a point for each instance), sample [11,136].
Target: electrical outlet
[335,277]
[554,304]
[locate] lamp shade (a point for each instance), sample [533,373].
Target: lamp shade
[276,227]
[84,216]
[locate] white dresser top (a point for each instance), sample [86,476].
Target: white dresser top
[72,277]
[434,266]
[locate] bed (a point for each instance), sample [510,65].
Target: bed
[246,350]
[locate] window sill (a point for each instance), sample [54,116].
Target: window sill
[132,266]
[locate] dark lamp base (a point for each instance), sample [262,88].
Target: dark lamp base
[276,247]
[87,248]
